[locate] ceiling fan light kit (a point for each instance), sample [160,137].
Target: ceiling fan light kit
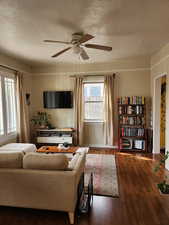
[84,55]
[77,45]
[76,49]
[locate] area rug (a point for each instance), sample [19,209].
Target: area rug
[104,171]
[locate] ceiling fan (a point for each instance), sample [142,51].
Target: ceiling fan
[77,44]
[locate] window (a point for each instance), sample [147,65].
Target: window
[7,105]
[1,114]
[93,101]
[10,104]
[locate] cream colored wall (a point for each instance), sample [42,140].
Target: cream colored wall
[27,86]
[133,78]
[93,134]
[159,67]
[127,83]
[60,117]
[127,64]
[132,83]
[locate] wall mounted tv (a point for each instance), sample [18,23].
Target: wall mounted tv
[58,99]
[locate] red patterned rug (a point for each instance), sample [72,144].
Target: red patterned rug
[104,172]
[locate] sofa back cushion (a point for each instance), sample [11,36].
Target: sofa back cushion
[42,161]
[11,159]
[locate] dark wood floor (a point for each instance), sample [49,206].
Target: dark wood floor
[139,203]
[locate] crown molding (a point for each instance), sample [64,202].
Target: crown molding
[88,72]
[159,62]
[118,65]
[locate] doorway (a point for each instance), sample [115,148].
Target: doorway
[163,115]
[159,114]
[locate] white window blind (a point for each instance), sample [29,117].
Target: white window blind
[10,104]
[93,101]
[1,113]
[7,105]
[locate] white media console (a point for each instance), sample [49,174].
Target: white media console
[55,136]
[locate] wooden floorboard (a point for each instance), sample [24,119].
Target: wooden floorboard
[139,203]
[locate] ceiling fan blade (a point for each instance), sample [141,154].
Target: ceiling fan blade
[61,52]
[62,42]
[100,47]
[83,54]
[86,37]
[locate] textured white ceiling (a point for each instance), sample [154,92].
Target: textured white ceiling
[131,27]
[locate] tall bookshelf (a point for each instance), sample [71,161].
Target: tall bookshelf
[132,124]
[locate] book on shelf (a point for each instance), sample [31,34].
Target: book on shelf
[133,100]
[139,144]
[130,109]
[131,120]
[132,132]
[125,143]
[132,123]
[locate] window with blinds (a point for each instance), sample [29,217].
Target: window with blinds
[7,105]
[10,104]
[1,113]
[93,102]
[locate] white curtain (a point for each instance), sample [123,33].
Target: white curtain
[22,112]
[78,110]
[109,109]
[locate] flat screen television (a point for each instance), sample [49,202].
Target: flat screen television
[58,99]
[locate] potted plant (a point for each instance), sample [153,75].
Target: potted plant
[42,120]
[163,186]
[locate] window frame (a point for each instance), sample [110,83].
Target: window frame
[1,90]
[92,120]
[7,135]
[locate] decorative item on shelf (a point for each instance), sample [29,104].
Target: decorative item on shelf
[28,99]
[132,123]
[125,143]
[163,186]
[42,120]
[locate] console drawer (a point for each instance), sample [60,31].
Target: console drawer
[56,140]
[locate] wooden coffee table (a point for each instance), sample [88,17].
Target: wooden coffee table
[55,149]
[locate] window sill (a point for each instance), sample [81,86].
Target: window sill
[7,138]
[93,121]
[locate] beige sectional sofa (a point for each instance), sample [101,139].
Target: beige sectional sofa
[41,181]
[19,147]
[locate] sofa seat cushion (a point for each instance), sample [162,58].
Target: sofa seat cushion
[22,147]
[42,161]
[11,159]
